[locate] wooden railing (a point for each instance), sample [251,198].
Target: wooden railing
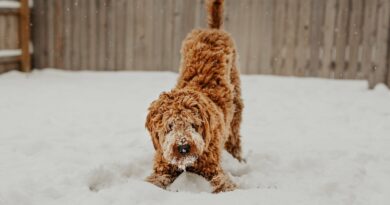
[15,36]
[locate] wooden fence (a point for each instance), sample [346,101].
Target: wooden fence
[9,39]
[14,36]
[345,39]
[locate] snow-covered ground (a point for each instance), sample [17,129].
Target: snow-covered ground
[306,141]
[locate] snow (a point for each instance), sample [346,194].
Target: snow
[12,4]
[10,52]
[79,138]
[9,4]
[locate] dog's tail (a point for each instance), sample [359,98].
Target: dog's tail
[215,13]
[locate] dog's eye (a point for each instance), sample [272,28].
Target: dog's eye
[170,126]
[194,126]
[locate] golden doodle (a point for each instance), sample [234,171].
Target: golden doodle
[191,124]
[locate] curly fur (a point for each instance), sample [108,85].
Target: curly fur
[203,110]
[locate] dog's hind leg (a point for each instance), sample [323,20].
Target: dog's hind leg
[233,143]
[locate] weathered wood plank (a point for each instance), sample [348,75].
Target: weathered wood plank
[327,65]
[35,32]
[13,38]
[10,59]
[341,37]
[237,22]
[178,5]
[120,39]
[2,32]
[50,33]
[168,35]
[83,33]
[355,34]
[101,35]
[381,44]
[158,37]
[92,33]
[139,50]
[9,11]
[303,41]
[266,31]
[290,37]
[265,60]
[255,26]
[149,61]
[68,30]
[278,39]
[316,36]
[76,30]
[110,35]
[232,25]
[369,22]
[130,34]
[8,66]
[244,37]
[188,18]
[58,35]
[45,36]
[201,14]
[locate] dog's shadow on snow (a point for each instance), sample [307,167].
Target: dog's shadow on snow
[246,175]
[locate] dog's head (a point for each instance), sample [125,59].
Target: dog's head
[181,123]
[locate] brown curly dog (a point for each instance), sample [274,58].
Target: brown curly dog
[192,123]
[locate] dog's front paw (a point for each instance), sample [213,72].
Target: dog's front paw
[222,183]
[159,180]
[225,187]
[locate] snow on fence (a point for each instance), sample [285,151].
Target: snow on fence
[14,35]
[341,39]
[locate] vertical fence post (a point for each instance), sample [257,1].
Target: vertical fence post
[24,25]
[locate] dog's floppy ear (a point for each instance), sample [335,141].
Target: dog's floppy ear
[151,121]
[154,119]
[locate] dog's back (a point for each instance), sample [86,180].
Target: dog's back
[209,58]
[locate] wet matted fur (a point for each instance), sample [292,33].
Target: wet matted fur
[202,112]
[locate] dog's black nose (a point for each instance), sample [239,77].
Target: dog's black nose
[184,149]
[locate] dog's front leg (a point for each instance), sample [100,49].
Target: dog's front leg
[218,179]
[161,180]
[222,183]
[163,175]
